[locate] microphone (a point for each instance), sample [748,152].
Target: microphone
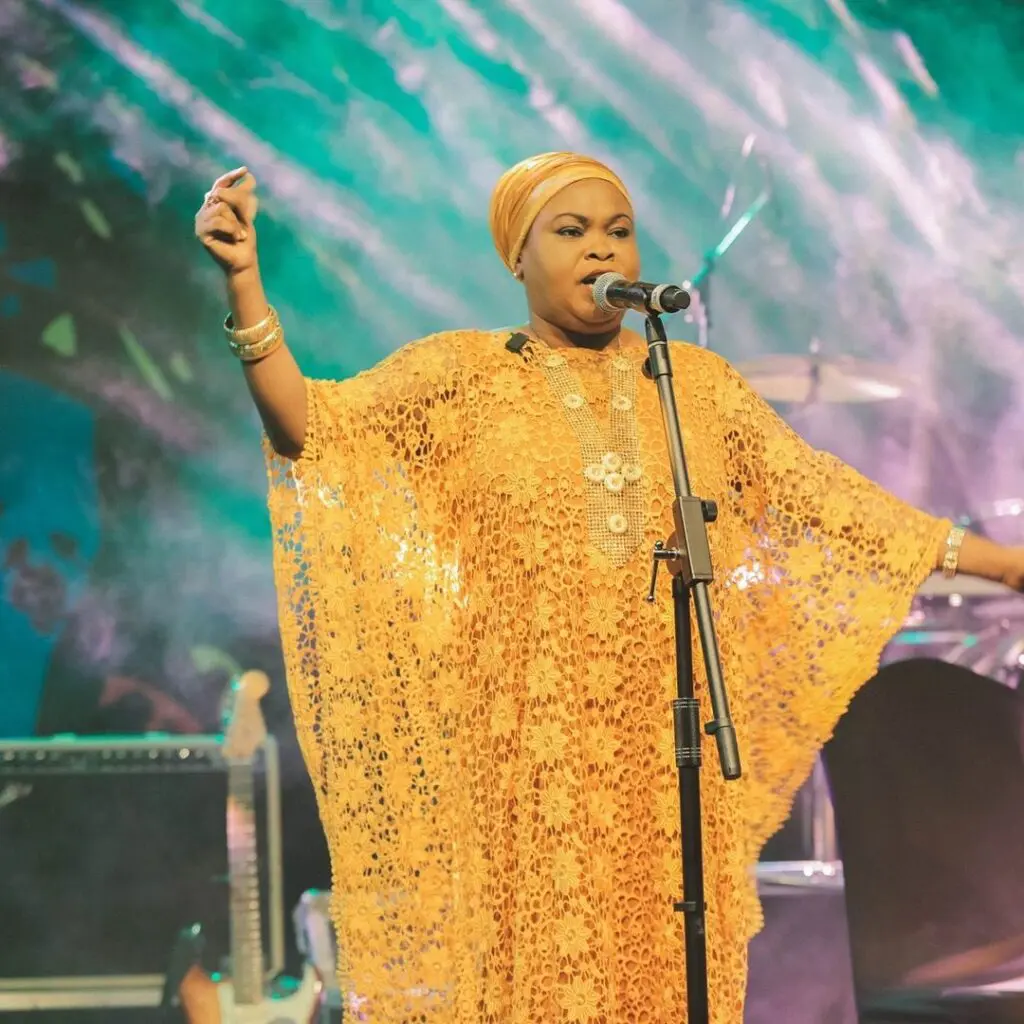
[612,291]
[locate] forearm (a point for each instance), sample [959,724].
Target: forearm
[980,557]
[275,382]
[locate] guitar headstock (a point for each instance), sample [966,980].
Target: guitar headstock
[244,727]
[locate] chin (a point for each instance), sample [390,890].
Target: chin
[588,319]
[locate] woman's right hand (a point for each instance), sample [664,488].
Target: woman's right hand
[224,223]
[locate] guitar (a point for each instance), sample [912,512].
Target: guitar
[243,998]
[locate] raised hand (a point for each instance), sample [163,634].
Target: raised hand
[225,221]
[225,226]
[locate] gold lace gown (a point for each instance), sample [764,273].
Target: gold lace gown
[482,693]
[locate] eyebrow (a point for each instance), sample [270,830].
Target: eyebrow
[586,220]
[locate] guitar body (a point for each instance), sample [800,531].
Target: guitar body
[206,1001]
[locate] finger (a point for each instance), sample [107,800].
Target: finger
[226,229]
[219,220]
[242,187]
[244,184]
[222,218]
[241,202]
[227,180]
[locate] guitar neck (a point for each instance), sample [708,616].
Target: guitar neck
[243,872]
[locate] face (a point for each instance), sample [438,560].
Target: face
[585,231]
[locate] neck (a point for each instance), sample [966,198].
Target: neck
[558,337]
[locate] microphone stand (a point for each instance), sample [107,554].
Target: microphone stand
[701,281]
[689,562]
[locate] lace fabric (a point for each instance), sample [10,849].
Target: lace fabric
[482,694]
[611,456]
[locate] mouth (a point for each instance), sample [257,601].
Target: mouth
[591,278]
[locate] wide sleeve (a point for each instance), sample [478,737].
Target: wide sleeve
[820,575]
[365,526]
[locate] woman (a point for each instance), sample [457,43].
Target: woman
[462,548]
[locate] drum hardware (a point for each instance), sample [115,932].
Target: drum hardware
[798,877]
[997,652]
[960,587]
[976,623]
[970,622]
[814,377]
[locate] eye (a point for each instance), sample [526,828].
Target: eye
[622,232]
[569,231]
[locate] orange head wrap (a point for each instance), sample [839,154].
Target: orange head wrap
[525,189]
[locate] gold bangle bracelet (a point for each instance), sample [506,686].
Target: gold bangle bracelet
[256,333]
[951,562]
[258,349]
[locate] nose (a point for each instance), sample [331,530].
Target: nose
[603,254]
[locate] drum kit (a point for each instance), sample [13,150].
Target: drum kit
[969,622]
[966,621]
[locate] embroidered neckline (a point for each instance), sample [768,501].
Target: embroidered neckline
[612,470]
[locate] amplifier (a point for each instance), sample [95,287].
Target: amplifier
[109,846]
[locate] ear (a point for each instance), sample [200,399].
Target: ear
[518,272]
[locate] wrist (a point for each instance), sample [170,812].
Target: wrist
[246,298]
[245,280]
[982,557]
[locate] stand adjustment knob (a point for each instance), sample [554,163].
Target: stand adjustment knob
[709,509]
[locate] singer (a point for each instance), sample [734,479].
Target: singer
[462,545]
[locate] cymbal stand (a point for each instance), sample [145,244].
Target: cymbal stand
[700,283]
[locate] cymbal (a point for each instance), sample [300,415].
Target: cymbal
[814,378]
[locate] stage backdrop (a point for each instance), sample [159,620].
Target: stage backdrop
[135,548]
